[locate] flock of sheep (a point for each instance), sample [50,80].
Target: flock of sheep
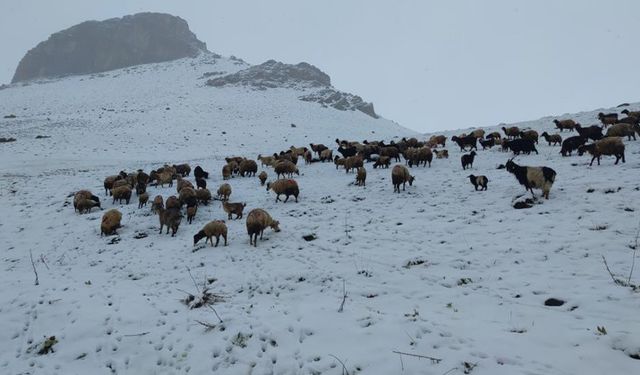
[353,157]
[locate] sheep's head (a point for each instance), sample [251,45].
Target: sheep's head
[473,153]
[268,185]
[275,225]
[411,178]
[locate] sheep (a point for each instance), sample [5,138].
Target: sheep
[347,151]
[215,229]
[533,177]
[266,160]
[467,160]
[171,218]
[248,167]
[290,156]
[299,151]
[353,162]
[85,195]
[488,143]
[326,155]
[226,172]
[608,119]
[203,196]
[191,213]
[438,140]
[141,187]
[635,114]
[531,135]
[120,183]
[504,145]
[419,155]
[624,130]
[479,181]
[629,120]
[233,208]
[172,202]
[556,139]
[442,154]
[165,178]
[201,183]
[121,193]
[109,181]
[263,177]
[182,183]
[511,132]
[593,132]
[198,172]
[400,175]
[522,145]
[568,124]
[383,161]
[572,143]
[143,199]
[478,133]
[318,149]
[338,161]
[157,204]
[606,146]
[286,187]
[257,221]
[183,169]
[187,196]
[233,166]
[308,157]
[286,168]
[391,152]
[234,159]
[361,176]
[224,191]
[463,142]
[110,222]
[495,136]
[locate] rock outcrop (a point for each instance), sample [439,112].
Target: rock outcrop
[98,46]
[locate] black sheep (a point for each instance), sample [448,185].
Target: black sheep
[467,160]
[572,143]
[522,145]
[487,143]
[198,172]
[201,183]
[593,132]
[347,151]
[479,181]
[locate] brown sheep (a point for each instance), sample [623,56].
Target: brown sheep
[109,181]
[531,135]
[182,183]
[361,177]
[110,222]
[318,149]
[400,175]
[635,114]
[286,168]
[157,204]
[438,140]
[298,151]
[442,154]
[172,202]
[191,213]
[308,157]
[353,162]
[267,160]
[165,178]
[257,221]
[326,155]
[215,229]
[171,218]
[383,161]
[234,159]
[120,183]
[121,193]
[608,118]
[143,199]
[286,187]
[263,177]
[226,172]
[623,130]
[187,196]
[556,139]
[79,199]
[478,133]
[338,161]
[182,169]
[224,191]
[512,132]
[203,196]
[248,167]
[233,208]
[565,124]
[606,146]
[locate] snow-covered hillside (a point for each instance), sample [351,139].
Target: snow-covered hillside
[439,270]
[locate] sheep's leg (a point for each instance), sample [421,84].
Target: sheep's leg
[286,199]
[261,231]
[161,228]
[225,239]
[217,240]
[592,159]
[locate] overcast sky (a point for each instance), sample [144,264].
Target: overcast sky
[428,65]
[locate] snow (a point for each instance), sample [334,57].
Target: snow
[438,270]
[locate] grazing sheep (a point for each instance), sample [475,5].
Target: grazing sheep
[110,222]
[109,181]
[286,168]
[608,119]
[290,156]
[629,120]
[531,135]
[215,229]
[478,133]
[267,160]
[198,172]
[187,196]
[308,157]
[233,208]
[165,178]
[400,175]
[533,177]
[157,204]
[353,162]
[226,172]
[299,151]
[624,130]
[121,193]
[182,169]
[361,176]
[338,161]
[257,221]
[141,187]
[326,155]
[182,183]
[203,196]
[635,114]
[511,132]
[593,132]
[85,195]
[479,181]
[442,154]
[286,187]
[556,139]
[191,213]
[464,142]
[248,167]
[383,161]
[318,149]
[172,203]
[488,143]
[391,152]
[565,124]
[143,199]
[121,183]
[234,167]
[263,177]
[224,191]
[467,160]
[522,145]
[606,146]
[201,183]
[572,143]
[438,140]
[171,218]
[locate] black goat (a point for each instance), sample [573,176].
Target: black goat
[479,181]
[198,172]
[571,144]
[593,132]
[522,146]
[201,183]
[467,160]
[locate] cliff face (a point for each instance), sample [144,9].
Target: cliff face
[98,46]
